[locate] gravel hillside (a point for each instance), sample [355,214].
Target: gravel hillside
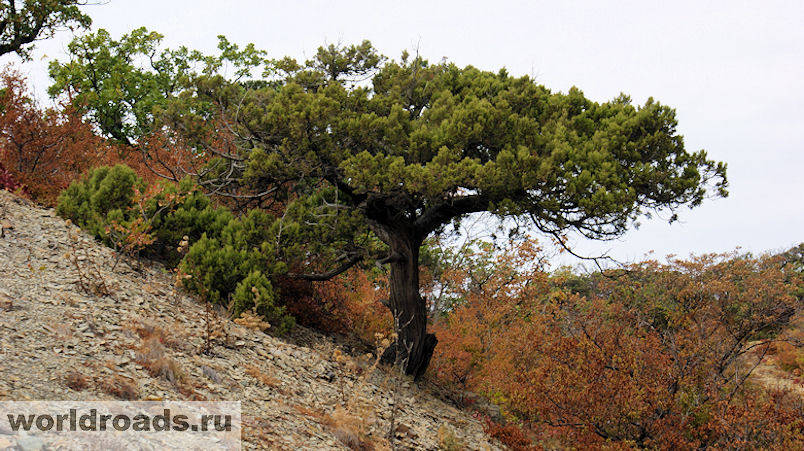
[63,338]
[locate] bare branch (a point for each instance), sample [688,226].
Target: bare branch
[353,260]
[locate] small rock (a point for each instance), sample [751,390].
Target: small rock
[211,374]
[328,376]
[30,444]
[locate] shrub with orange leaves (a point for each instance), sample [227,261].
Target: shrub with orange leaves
[510,434]
[659,357]
[7,180]
[44,148]
[474,301]
[351,303]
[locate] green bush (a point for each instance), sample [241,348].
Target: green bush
[226,252]
[218,264]
[256,290]
[215,269]
[107,194]
[102,195]
[192,216]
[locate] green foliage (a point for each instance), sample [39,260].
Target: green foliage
[256,290]
[426,135]
[117,195]
[430,142]
[123,84]
[360,149]
[215,268]
[219,264]
[24,22]
[226,253]
[192,215]
[103,195]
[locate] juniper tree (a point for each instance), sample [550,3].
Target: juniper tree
[404,148]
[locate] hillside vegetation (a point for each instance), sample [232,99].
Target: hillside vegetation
[71,328]
[283,232]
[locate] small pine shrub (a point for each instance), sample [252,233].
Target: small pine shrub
[227,253]
[225,268]
[104,195]
[256,291]
[116,199]
[215,269]
[191,214]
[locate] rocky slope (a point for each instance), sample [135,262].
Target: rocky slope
[63,338]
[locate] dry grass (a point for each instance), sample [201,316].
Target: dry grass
[257,431]
[152,356]
[448,441]
[120,387]
[75,380]
[250,319]
[147,330]
[310,412]
[255,372]
[348,428]
[90,276]
[351,422]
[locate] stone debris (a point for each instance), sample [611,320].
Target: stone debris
[54,335]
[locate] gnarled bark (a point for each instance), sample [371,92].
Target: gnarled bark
[412,348]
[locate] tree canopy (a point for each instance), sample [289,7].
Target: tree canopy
[23,22]
[122,83]
[403,148]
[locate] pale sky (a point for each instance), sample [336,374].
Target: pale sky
[732,69]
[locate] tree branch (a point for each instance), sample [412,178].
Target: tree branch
[443,212]
[353,260]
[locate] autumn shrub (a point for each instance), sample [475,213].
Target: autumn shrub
[659,356]
[45,148]
[354,300]
[788,353]
[481,293]
[7,180]
[509,434]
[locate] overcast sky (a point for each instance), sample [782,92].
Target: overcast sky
[732,69]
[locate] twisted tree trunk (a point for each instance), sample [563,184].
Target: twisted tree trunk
[414,346]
